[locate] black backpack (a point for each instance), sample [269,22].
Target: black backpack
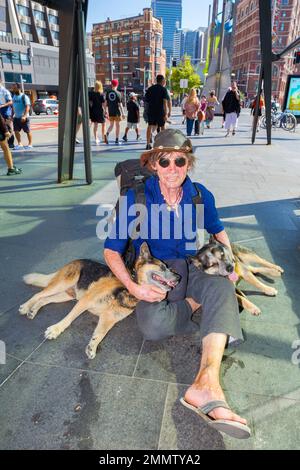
[131,175]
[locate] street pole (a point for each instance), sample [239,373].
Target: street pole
[220,52]
[144,80]
[22,83]
[111,59]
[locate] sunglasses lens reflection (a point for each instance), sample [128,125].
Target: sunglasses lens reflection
[179,162]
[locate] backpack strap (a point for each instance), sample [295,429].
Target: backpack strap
[197,201]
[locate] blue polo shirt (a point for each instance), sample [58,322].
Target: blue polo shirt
[169,235]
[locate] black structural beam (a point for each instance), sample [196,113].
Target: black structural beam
[72,84]
[265,19]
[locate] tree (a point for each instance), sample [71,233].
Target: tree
[184,70]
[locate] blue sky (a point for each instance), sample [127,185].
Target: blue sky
[195,12]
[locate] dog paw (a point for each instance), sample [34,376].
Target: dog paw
[90,352]
[254,310]
[24,309]
[31,314]
[270,291]
[53,332]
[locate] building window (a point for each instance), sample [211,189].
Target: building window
[117,67]
[275,71]
[157,53]
[115,40]
[125,68]
[282,27]
[148,51]
[124,53]
[25,28]
[53,19]
[55,35]
[24,11]
[283,14]
[97,43]
[24,58]
[135,51]
[97,56]
[136,37]
[125,38]
[148,35]
[115,53]
[116,25]
[274,86]
[157,67]
[284,2]
[12,77]
[41,32]
[257,70]
[105,41]
[107,27]
[39,15]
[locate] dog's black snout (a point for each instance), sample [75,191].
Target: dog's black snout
[229,268]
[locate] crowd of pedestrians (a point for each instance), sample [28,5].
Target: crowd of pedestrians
[107,110]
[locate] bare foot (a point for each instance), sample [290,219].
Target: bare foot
[202,392]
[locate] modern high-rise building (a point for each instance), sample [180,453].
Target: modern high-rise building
[170,11]
[29,39]
[246,60]
[191,43]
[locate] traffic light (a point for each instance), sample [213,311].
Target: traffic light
[296,57]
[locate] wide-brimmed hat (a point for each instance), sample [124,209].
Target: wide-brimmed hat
[169,140]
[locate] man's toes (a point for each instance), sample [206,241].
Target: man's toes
[270,291]
[254,310]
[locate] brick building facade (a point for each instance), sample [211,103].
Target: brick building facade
[246,60]
[130,50]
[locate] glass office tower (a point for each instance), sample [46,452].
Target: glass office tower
[170,11]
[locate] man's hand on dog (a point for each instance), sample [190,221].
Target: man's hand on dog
[147,292]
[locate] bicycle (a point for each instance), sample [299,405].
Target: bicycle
[284,120]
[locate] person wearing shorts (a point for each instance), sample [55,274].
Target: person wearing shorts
[157,98]
[133,116]
[21,107]
[115,110]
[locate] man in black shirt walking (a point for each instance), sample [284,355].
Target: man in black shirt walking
[133,116]
[157,98]
[115,109]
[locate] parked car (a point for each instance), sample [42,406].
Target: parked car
[45,105]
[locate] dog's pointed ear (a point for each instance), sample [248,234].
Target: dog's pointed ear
[144,251]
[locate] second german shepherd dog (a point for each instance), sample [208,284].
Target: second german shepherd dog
[97,290]
[216,258]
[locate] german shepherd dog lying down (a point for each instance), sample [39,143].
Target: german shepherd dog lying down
[215,258]
[97,290]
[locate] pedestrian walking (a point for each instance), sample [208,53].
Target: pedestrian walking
[133,116]
[232,108]
[21,108]
[191,107]
[6,111]
[97,111]
[182,108]
[115,110]
[212,102]
[201,115]
[158,107]
[261,106]
[4,136]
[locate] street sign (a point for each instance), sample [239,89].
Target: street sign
[184,83]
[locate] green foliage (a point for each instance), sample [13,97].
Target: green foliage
[184,70]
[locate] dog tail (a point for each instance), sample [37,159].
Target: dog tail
[39,280]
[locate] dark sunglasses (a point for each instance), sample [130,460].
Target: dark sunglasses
[179,161]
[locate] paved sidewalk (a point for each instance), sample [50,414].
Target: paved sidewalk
[53,397]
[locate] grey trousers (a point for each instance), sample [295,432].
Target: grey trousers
[216,294]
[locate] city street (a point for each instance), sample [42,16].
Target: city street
[53,397]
